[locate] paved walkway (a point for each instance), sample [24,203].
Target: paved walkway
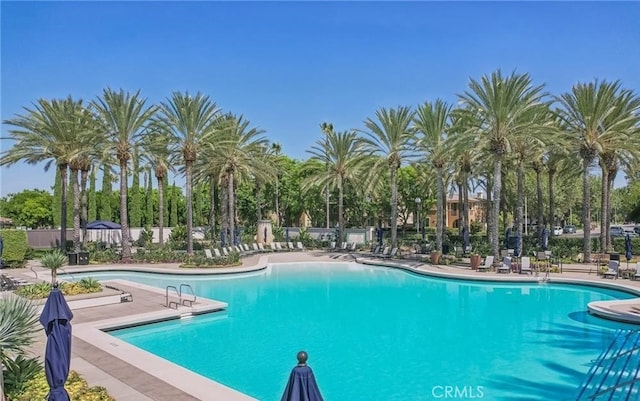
[127,382]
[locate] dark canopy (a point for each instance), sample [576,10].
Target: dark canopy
[302,386]
[100,224]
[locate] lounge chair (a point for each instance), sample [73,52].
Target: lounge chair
[384,254]
[225,252]
[614,268]
[255,247]
[332,246]
[278,246]
[374,251]
[392,254]
[637,275]
[487,265]
[525,265]
[300,246]
[351,247]
[208,254]
[505,267]
[291,247]
[262,248]
[216,252]
[343,246]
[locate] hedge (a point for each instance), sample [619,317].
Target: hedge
[15,248]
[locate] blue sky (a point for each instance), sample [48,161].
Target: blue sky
[289,66]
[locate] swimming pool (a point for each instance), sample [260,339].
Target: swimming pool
[376,333]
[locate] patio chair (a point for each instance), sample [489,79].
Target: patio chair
[487,265]
[613,270]
[505,267]
[637,275]
[525,265]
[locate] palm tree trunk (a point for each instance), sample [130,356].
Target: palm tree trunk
[212,206]
[552,199]
[489,204]
[495,207]
[611,179]
[189,200]
[540,204]
[341,209]
[231,209]
[465,202]
[124,218]
[278,221]
[604,206]
[76,210]
[586,210]
[84,175]
[258,196]
[224,202]
[520,201]
[439,209]
[394,207]
[63,207]
[160,209]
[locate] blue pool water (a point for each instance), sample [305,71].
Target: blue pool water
[379,334]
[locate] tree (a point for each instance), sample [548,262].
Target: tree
[123,117]
[390,137]
[189,121]
[502,110]
[105,194]
[433,121]
[29,208]
[591,117]
[47,133]
[343,156]
[135,201]
[92,213]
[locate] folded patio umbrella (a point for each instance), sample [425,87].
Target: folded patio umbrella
[302,385]
[627,248]
[1,249]
[465,239]
[56,320]
[544,239]
[517,249]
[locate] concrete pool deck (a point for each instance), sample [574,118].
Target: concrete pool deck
[130,374]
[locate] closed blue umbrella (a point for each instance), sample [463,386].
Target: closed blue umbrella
[627,248]
[286,235]
[507,235]
[465,239]
[1,249]
[222,238]
[379,234]
[56,320]
[544,239]
[302,384]
[517,249]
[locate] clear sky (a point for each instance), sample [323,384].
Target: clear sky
[289,66]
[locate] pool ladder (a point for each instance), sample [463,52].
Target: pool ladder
[184,299]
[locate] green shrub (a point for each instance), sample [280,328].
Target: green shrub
[15,247]
[41,290]
[78,389]
[18,372]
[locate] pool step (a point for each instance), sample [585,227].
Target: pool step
[615,375]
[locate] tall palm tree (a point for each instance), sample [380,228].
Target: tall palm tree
[341,157]
[276,148]
[590,114]
[503,108]
[239,154]
[48,132]
[123,118]
[391,137]
[156,151]
[190,121]
[432,121]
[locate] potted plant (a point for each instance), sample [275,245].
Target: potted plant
[475,261]
[53,260]
[435,257]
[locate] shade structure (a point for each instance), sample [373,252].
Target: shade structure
[302,385]
[103,225]
[627,247]
[56,320]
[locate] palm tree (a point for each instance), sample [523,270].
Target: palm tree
[48,132]
[123,118]
[156,151]
[433,120]
[391,137]
[190,121]
[239,151]
[276,148]
[341,158]
[591,115]
[503,109]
